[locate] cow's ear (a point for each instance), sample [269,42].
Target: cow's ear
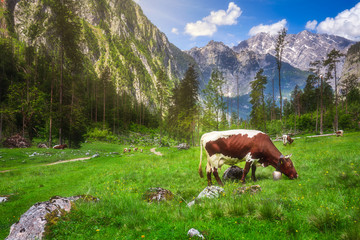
[288,156]
[281,159]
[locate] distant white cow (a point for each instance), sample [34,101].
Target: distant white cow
[287,139]
[339,133]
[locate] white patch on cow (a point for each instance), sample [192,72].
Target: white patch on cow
[213,136]
[285,141]
[218,160]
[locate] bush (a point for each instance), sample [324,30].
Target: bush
[274,127]
[101,135]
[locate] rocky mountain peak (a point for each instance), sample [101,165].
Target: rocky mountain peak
[301,48]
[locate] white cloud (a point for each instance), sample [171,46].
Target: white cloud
[200,28]
[208,25]
[273,29]
[311,25]
[225,18]
[346,24]
[175,31]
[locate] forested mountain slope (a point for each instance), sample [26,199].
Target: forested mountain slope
[96,60]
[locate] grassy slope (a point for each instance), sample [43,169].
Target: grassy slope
[322,204]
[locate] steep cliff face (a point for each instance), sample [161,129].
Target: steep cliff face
[114,33]
[352,62]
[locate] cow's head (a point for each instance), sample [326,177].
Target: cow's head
[286,166]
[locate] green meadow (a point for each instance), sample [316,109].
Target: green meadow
[323,203]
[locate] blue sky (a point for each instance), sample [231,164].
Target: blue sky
[190,23]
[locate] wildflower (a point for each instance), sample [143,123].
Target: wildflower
[97,230]
[142,236]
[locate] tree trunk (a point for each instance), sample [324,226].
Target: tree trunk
[61,94]
[51,105]
[104,101]
[95,97]
[273,116]
[71,111]
[238,101]
[264,113]
[321,105]
[1,123]
[280,94]
[336,104]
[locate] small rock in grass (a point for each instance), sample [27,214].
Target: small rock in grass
[42,145]
[195,233]
[157,195]
[252,189]
[95,155]
[34,154]
[233,173]
[183,146]
[208,192]
[3,199]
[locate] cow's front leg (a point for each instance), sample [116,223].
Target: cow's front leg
[253,170]
[216,175]
[246,170]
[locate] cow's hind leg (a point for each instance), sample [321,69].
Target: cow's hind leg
[253,170]
[216,175]
[208,174]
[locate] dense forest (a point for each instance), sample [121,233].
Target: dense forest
[58,85]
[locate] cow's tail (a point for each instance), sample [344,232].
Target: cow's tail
[200,168]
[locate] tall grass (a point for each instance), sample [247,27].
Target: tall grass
[322,204]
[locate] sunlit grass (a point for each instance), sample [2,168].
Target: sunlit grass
[323,203]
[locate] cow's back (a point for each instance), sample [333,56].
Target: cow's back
[232,143]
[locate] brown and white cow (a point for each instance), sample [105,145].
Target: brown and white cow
[233,146]
[339,133]
[62,146]
[287,139]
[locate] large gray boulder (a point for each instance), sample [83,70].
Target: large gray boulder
[32,223]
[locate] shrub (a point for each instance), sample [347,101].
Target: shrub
[100,135]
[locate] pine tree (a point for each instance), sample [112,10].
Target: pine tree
[296,96]
[348,84]
[315,67]
[257,99]
[331,61]
[64,32]
[214,102]
[279,49]
[183,110]
[162,95]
